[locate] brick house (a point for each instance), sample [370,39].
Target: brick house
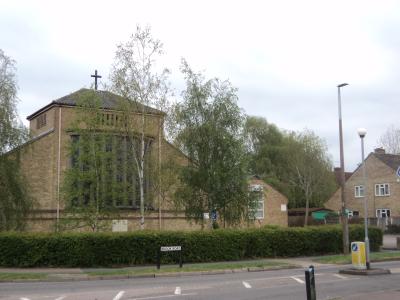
[272,205]
[383,188]
[45,158]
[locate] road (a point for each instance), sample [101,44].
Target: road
[277,285]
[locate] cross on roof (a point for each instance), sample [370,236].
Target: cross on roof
[95,78]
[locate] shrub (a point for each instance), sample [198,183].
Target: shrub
[393,229]
[139,248]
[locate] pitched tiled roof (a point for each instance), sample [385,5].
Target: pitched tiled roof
[392,160]
[108,101]
[337,174]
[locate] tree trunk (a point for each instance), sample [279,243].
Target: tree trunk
[306,215]
[308,196]
[141,174]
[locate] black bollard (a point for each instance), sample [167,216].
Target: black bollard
[310,284]
[158,259]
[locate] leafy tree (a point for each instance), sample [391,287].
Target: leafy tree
[165,180]
[91,190]
[134,75]
[294,163]
[210,126]
[310,169]
[390,140]
[266,151]
[15,202]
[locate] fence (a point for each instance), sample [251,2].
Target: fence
[382,223]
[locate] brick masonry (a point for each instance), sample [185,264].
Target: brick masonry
[377,173]
[45,174]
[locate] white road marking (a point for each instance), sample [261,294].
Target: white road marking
[340,276]
[297,279]
[119,295]
[246,285]
[23,298]
[282,277]
[178,291]
[162,296]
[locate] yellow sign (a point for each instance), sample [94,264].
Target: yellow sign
[358,258]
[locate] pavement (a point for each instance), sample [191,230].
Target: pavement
[390,241]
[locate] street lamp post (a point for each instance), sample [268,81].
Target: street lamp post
[345,226]
[362,132]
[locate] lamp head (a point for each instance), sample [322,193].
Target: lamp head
[362,132]
[342,85]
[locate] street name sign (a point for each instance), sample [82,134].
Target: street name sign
[171,248]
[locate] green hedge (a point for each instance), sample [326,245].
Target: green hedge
[138,248]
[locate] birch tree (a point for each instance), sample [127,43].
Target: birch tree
[210,127]
[310,169]
[135,76]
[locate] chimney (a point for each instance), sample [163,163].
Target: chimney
[379,151]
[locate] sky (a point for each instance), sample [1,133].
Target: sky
[285,57]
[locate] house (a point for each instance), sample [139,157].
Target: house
[382,188]
[272,205]
[46,158]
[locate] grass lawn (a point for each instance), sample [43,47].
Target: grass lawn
[192,268]
[346,259]
[22,276]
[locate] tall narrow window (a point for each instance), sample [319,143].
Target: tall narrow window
[258,211]
[103,168]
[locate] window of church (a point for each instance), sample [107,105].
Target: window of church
[108,164]
[108,119]
[41,121]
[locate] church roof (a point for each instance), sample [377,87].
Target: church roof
[108,101]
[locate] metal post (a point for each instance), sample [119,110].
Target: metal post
[158,259]
[180,259]
[310,284]
[362,135]
[345,226]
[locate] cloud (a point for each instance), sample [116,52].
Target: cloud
[285,57]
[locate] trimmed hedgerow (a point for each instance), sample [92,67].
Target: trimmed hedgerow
[139,248]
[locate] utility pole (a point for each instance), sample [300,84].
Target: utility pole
[345,226]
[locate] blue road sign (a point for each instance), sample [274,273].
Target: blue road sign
[398,172]
[354,247]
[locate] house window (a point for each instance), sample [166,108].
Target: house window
[383,213]
[382,189]
[359,191]
[353,213]
[41,121]
[258,211]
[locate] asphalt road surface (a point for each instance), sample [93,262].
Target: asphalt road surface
[279,285]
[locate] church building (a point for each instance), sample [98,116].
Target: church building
[46,159]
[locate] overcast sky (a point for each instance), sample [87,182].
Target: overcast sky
[285,57]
